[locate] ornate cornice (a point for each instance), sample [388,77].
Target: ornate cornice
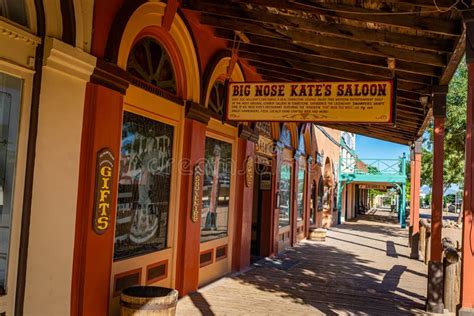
[67,59]
[247,133]
[197,112]
[111,76]
[12,31]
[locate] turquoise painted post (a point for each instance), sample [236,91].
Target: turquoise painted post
[403,203]
[339,203]
[339,191]
[403,207]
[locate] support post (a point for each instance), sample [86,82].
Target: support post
[467,272]
[412,176]
[403,207]
[403,204]
[339,193]
[339,202]
[415,184]
[434,302]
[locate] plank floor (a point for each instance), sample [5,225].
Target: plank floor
[363,268]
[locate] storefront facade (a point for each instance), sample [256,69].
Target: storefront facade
[125,129]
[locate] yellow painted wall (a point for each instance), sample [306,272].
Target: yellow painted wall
[55,186]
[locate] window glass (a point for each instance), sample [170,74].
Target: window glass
[300,196]
[10,98]
[150,62]
[285,191]
[321,194]
[313,204]
[14,10]
[216,189]
[217,98]
[144,186]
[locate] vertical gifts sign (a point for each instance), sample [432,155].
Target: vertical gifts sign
[332,102]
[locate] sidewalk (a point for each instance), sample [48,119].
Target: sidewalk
[363,268]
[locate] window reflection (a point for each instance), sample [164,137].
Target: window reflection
[144,186]
[285,191]
[14,10]
[300,197]
[10,96]
[216,189]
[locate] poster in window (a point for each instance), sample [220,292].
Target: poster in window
[216,189]
[144,186]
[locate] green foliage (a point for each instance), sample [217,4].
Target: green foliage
[373,170]
[455,131]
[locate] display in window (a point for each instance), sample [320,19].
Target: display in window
[144,186]
[285,193]
[10,98]
[216,189]
[300,196]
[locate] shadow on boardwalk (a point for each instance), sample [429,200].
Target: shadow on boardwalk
[362,269]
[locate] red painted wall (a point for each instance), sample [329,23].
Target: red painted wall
[189,233]
[243,208]
[93,253]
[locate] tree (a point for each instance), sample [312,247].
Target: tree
[455,131]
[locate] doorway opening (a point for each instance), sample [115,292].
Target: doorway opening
[261,213]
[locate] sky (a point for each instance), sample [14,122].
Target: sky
[372,148]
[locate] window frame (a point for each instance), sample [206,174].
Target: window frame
[230,189]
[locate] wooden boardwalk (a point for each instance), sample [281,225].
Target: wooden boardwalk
[363,268]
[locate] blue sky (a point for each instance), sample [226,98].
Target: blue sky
[372,148]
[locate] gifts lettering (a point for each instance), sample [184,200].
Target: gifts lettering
[103,196]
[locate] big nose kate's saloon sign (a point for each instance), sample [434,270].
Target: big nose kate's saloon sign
[338,102]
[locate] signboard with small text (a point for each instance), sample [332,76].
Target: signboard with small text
[332,102]
[373,186]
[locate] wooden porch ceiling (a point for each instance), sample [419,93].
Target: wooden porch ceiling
[317,40]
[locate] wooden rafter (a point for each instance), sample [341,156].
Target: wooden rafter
[345,40]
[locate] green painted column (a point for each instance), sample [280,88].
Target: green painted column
[339,203]
[403,203]
[403,207]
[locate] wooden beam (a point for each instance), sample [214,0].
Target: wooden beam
[284,48]
[325,71]
[222,16]
[455,59]
[295,60]
[331,47]
[308,38]
[430,4]
[439,24]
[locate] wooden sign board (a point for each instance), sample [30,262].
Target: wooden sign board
[334,102]
[373,186]
[196,198]
[103,191]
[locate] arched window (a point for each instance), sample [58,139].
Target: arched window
[217,99]
[14,10]
[150,62]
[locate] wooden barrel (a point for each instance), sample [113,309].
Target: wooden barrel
[317,234]
[147,301]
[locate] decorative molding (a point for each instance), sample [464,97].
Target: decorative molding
[111,76]
[17,33]
[439,101]
[68,59]
[197,112]
[249,172]
[247,133]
